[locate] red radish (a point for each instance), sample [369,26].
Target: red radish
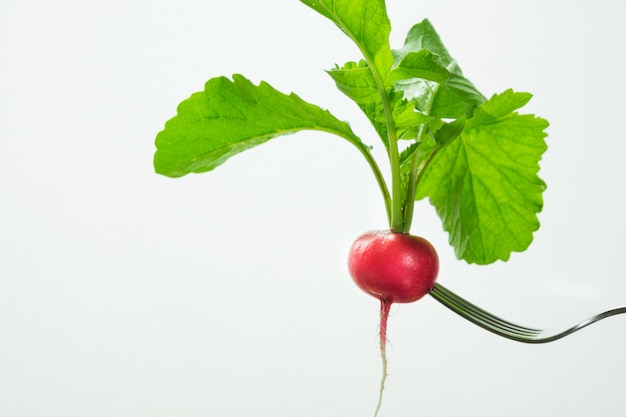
[395,268]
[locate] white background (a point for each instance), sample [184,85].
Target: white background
[127,294]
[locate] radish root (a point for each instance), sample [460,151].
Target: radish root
[385,306]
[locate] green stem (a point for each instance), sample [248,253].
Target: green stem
[421,171]
[416,170]
[415,176]
[396,217]
[409,204]
[394,208]
[379,177]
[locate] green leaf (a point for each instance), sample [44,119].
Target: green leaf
[449,131]
[422,64]
[455,96]
[229,117]
[357,82]
[366,23]
[484,184]
[407,120]
[424,36]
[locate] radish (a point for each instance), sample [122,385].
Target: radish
[395,268]
[474,158]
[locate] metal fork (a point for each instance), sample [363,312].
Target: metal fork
[504,328]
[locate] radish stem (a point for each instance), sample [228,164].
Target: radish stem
[385,306]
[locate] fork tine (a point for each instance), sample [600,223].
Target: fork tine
[477,314]
[467,311]
[504,328]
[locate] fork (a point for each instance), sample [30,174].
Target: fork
[507,329]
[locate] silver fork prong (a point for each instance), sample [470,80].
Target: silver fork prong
[507,329]
[514,328]
[478,315]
